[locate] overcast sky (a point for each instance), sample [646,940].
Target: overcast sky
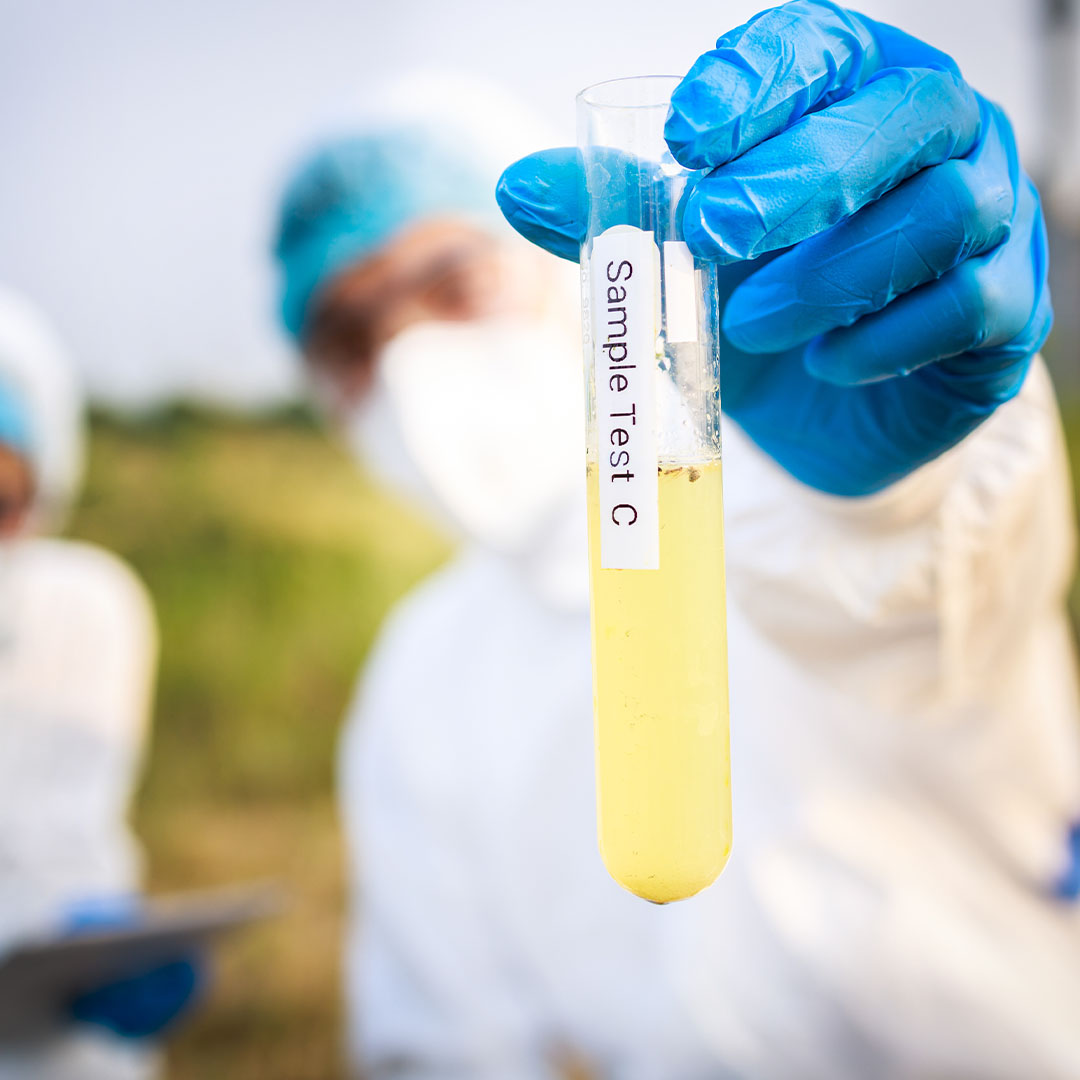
[144,143]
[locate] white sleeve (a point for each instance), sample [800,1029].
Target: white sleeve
[939,602]
[104,641]
[430,993]
[107,648]
[74,704]
[921,590]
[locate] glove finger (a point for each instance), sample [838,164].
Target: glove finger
[830,164]
[992,303]
[910,236]
[98,914]
[784,63]
[985,378]
[141,1005]
[543,197]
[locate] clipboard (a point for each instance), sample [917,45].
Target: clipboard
[38,976]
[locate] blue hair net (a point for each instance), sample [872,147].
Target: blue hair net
[15,426]
[353,194]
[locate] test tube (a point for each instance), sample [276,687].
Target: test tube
[656,525]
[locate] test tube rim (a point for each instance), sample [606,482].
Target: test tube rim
[587,96]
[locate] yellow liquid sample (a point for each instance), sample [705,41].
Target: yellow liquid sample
[660,694]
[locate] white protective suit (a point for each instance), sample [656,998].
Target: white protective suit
[906,768]
[905,747]
[77,657]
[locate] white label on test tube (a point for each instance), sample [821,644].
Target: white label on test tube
[625,279]
[680,292]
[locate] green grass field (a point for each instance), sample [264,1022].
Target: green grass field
[1070,414]
[271,563]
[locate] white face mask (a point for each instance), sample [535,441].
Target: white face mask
[482,423]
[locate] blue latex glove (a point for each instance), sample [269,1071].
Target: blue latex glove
[142,1003]
[1067,886]
[882,255]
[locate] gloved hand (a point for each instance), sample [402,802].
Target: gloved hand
[1067,886]
[142,1003]
[882,255]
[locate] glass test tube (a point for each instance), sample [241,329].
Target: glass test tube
[656,540]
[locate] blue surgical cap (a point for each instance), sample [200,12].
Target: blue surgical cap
[353,194]
[15,426]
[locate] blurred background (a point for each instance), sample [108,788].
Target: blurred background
[144,148]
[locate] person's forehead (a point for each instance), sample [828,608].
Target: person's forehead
[407,253]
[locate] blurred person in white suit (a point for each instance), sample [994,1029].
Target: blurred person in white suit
[78,654]
[901,898]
